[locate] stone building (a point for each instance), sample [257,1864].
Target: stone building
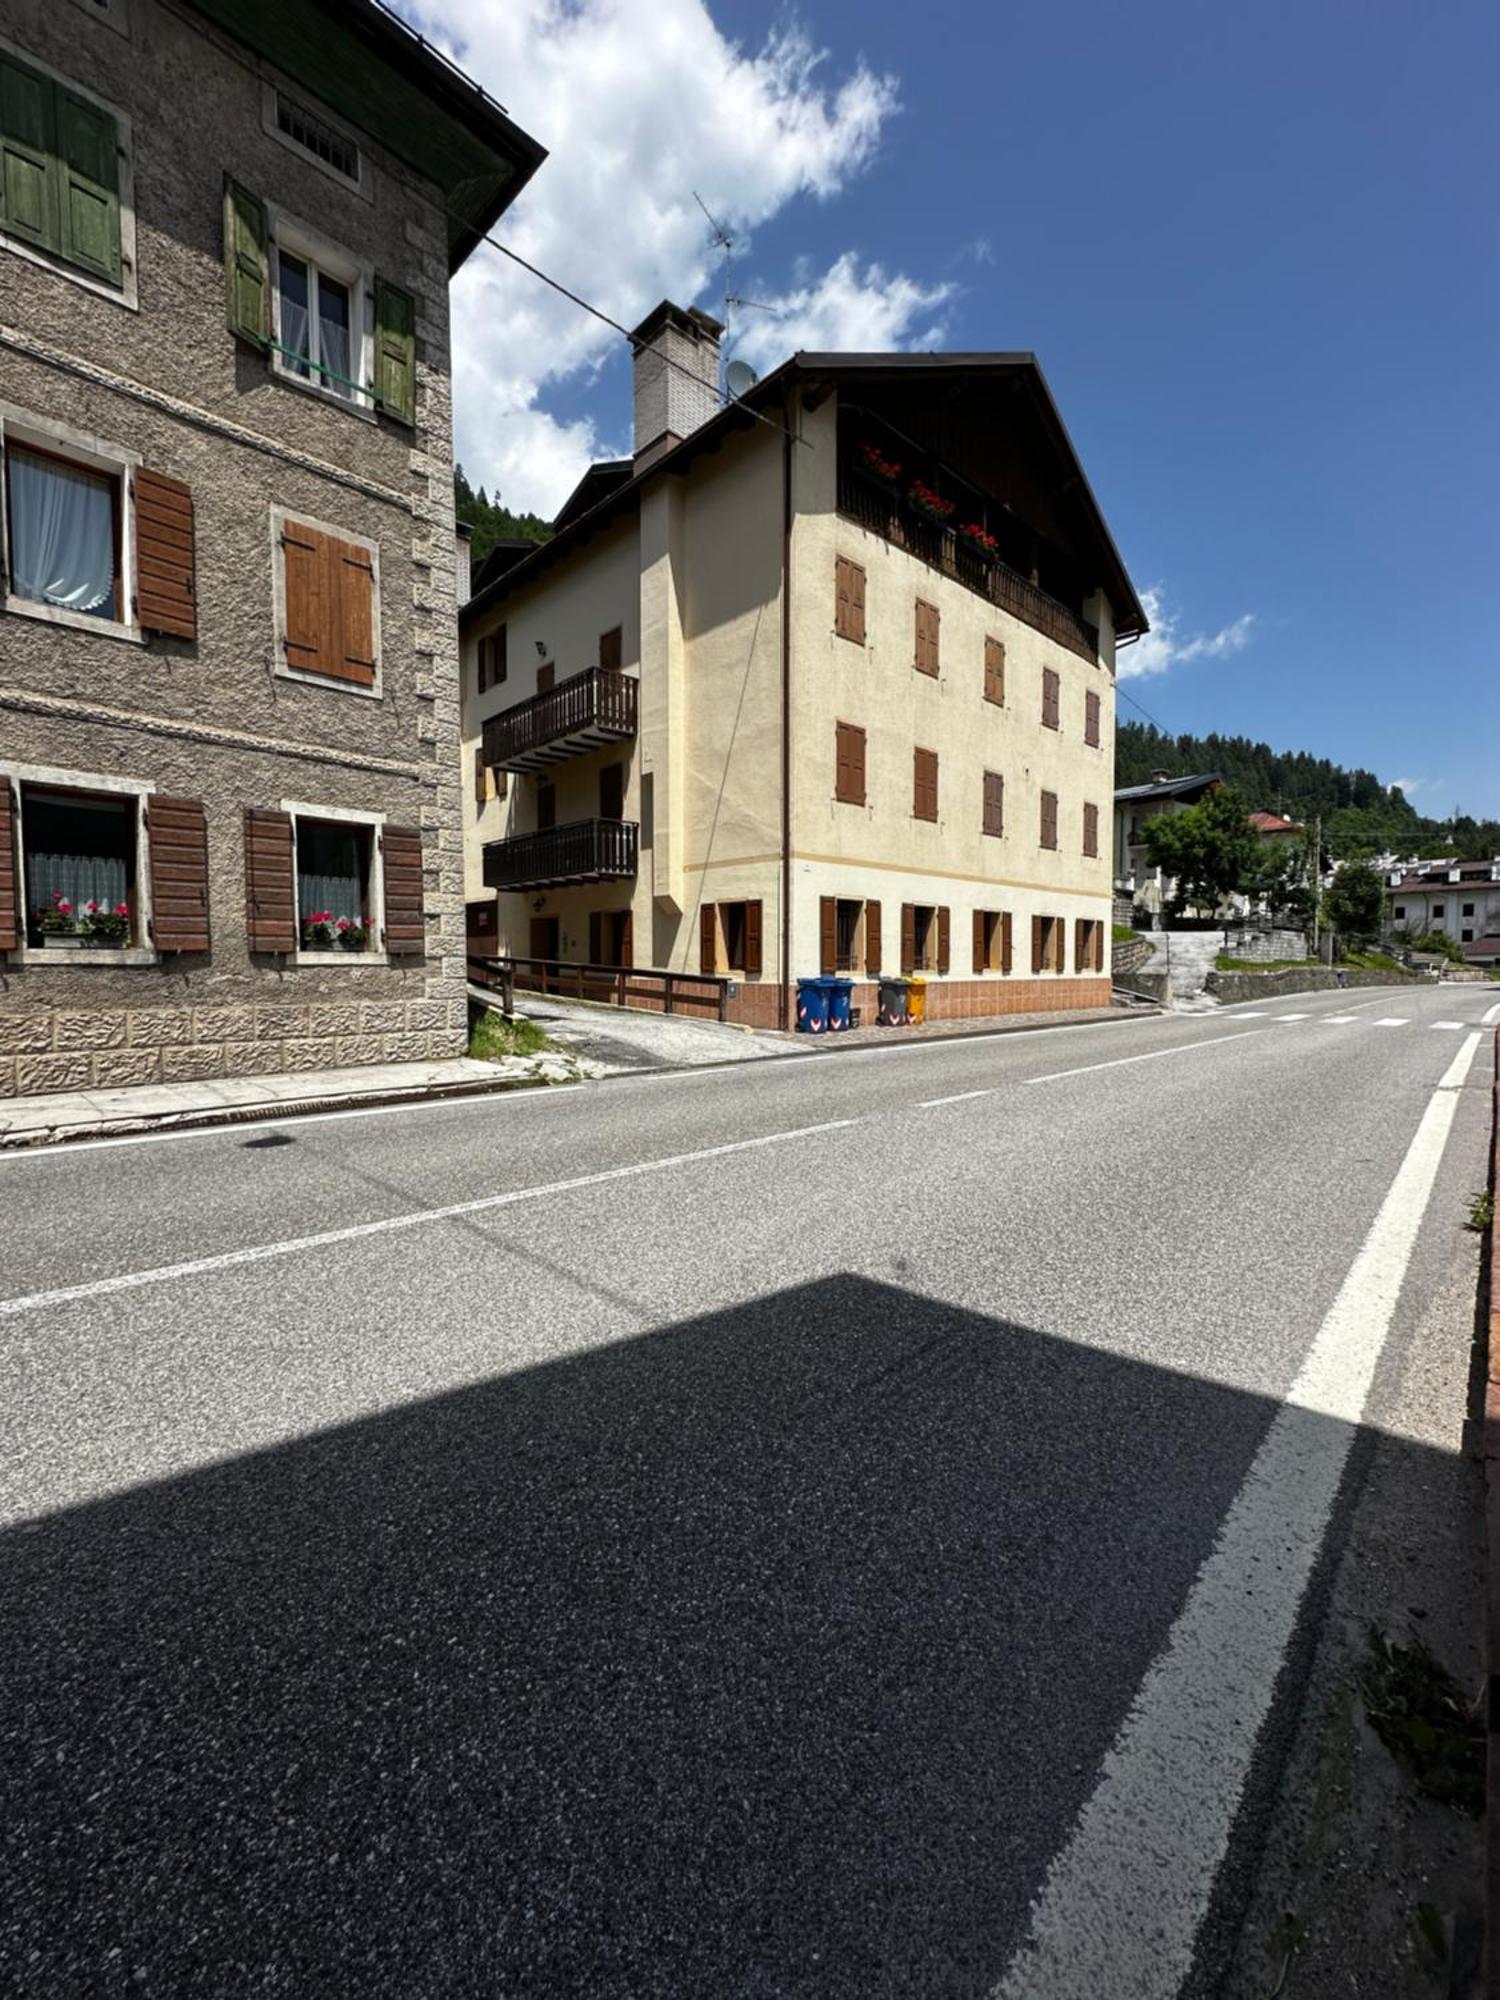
[230,819]
[822,680]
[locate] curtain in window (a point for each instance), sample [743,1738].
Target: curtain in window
[295,320]
[330,870]
[80,878]
[78,848]
[62,534]
[333,332]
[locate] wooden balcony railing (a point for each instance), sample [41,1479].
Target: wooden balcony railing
[595,707]
[586,850]
[885,512]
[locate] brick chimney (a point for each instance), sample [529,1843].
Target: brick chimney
[676,378]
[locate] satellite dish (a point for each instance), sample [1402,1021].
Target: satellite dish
[740,376]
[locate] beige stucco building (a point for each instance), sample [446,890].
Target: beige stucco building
[820,681]
[229,710]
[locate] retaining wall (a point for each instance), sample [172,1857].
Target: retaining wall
[1229,987]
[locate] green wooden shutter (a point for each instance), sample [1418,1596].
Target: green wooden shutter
[88,149]
[395,351]
[245,272]
[28,141]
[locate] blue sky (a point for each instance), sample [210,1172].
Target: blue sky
[1253,248]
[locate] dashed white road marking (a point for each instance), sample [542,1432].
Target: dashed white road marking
[1456,1027]
[1337,1020]
[1154,1055]
[958,1097]
[1392,1021]
[1289,1017]
[1122,1904]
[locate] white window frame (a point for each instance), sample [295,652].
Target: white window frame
[320,253]
[330,683]
[271,125]
[375,953]
[124,294]
[18,776]
[24,428]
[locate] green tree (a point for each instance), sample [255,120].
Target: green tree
[490,522]
[1354,903]
[1209,850]
[1281,878]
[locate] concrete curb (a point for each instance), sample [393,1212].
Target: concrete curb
[1490,1309]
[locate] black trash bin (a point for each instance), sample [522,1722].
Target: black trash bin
[894,1010]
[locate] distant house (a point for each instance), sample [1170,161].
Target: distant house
[1460,899]
[1272,826]
[1135,807]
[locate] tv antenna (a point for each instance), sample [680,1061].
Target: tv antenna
[732,299]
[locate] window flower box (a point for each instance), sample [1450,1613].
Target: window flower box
[317,931]
[980,539]
[875,465]
[107,927]
[353,935]
[57,923]
[932,504]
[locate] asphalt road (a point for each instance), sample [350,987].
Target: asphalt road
[839,1527]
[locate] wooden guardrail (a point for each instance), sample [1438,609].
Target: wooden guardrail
[699,993]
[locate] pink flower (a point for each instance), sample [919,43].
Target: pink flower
[343,923]
[61,904]
[122,909]
[93,907]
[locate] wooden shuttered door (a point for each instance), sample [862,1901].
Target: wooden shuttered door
[908,938]
[943,937]
[924,781]
[708,938]
[849,764]
[994,803]
[754,947]
[492,660]
[927,637]
[1049,819]
[872,940]
[270,901]
[828,934]
[1091,831]
[994,672]
[166,583]
[330,605]
[405,916]
[611,650]
[1050,704]
[10,900]
[177,835]
[1091,720]
[395,351]
[848,600]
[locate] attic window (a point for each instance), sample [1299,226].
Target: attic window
[334,149]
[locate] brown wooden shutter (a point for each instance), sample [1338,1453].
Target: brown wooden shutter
[828,934]
[1006,960]
[1060,944]
[1098,947]
[177,835]
[943,939]
[1091,831]
[611,650]
[849,764]
[546,677]
[270,905]
[1038,938]
[908,938]
[708,938]
[927,637]
[994,803]
[858,758]
[1050,714]
[980,955]
[924,771]
[872,940]
[166,583]
[1091,720]
[843,618]
[1080,943]
[356,603]
[10,901]
[857,604]
[405,915]
[1049,819]
[310,616]
[596,937]
[994,672]
[627,940]
[753,948]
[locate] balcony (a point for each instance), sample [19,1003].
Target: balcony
[586,850]
[593,708]
[887,513]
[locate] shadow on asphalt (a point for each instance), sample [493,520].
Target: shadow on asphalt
[769,1654]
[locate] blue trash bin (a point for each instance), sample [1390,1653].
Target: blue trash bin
[812,1006]
[840,995]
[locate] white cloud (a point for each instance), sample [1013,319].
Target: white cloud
[1165,647]
[1409,785]
[851,308]
[641,108]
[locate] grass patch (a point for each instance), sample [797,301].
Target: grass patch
[1371,961]
[492,1038]
[1481,1210]
[1420,1714]
[1225,962]
[1123,934]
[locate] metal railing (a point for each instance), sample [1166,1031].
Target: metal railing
[585,850]
[597,706]
[610,985]
[886,512]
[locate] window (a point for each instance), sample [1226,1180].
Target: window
[1468,909]
[848,936]
[848,600]
[60,174]
[992,941]
[994,803]
[1399,911]
[313,135]
[1049,819]
[1051,684]
[492,661]
[849,764]
[79,860]
[62,533]
[334,900]
[1088,945]
[927,638]
[329,604]
[320,324]
[994,672]
[1091,720]
[546,677]
[729,938]
[924,782]
[611,650]
[1048,944]
[924,937]
[611,938]
[1437,912]
[612,791]
[848,917]
[1466,937]
[1091,831]
[546,807]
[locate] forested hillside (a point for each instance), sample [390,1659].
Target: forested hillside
[1360,815]
[490,521]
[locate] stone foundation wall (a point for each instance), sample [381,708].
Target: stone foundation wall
[1263,946]
[1230,987]
[108,1048]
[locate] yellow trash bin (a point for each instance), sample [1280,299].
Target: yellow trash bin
[916,999]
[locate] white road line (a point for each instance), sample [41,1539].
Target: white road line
[1392,1021]
[1289,1017]
[1457,1027]
[1337,1020]
[1122,1903]
[257,1253]
[959,1097]
[1491,1014]
[1153,1055]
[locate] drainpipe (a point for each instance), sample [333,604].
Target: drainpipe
[785,1011]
